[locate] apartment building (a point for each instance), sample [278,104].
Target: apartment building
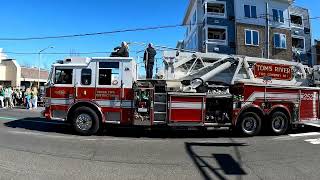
[260,28]
[211,26]
[316,52]
[263,29]
[301,34]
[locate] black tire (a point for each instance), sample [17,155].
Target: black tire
[81,119]
[278,123]
[249,124]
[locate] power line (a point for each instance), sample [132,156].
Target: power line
[93,34]
[123,30]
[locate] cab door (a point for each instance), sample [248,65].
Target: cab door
[85,86]
[62,91]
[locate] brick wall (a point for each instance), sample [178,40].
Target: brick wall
[285,54]
[257,51]
[33,73]
[252,51]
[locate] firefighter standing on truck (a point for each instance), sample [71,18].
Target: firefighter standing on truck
[148,59]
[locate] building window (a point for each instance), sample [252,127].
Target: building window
[217,35]
[216,9]
[63,76]
[194,18]
[298,43]
[277,15]
[252,37]
[86,77]
[280,41]
[296,20]
[108,72]
[250,11]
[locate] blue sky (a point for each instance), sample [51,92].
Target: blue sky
[20,18]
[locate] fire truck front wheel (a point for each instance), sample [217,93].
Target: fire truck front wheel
[249,124]
[85,121]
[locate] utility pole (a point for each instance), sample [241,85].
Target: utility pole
[267,31]
[39,68]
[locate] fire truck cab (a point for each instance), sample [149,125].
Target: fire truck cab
[90,91]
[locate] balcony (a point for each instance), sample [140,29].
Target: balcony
[216,9]
[217,36]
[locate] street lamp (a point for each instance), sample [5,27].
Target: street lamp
[39,68]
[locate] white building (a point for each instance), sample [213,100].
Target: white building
[12,74]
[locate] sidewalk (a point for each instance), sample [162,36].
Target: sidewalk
[39,109]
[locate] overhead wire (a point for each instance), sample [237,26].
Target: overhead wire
[122,30]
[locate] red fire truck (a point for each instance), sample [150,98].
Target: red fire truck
[193,90]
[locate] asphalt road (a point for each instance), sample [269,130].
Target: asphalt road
[31,148]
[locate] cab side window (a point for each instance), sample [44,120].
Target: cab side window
[108,73]
[63,76]
[86,75]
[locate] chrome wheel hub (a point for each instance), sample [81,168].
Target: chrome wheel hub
[249,125]
[84,122]
[278,123]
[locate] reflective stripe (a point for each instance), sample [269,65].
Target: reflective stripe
[187,105]
[271,95]
[55,101]
[115,103]
[102,103]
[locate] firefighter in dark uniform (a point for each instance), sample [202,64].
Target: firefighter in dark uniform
[122,51]
[148,59]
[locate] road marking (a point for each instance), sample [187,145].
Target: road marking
[25,133]
[8,118]
[305,134]
[313,141]
[74,137]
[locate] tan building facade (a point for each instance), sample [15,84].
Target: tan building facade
[12,74]
[255,45]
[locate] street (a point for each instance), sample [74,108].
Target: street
[31,148]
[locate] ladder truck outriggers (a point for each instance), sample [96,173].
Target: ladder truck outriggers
[204,90]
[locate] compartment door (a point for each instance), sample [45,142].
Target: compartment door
[186,109]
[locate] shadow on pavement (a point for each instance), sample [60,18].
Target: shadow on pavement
[42,125]
[225,163]
[166,133]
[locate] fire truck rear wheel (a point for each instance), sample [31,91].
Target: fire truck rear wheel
[85,121]
[249,124]
[279,123]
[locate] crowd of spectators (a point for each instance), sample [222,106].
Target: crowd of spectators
[11,97]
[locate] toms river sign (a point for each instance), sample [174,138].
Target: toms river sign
[275,71]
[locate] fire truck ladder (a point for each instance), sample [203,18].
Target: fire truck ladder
[160,103]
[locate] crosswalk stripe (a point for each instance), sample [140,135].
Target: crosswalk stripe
[7,118]
[305,134]
[313,141]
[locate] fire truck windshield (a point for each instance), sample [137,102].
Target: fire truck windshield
[63,76]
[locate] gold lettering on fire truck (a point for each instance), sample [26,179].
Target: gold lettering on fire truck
[106,94]
[60,92]
[275,71]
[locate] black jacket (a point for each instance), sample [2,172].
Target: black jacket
[149,55]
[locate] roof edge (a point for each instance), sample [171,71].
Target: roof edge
[188,11]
